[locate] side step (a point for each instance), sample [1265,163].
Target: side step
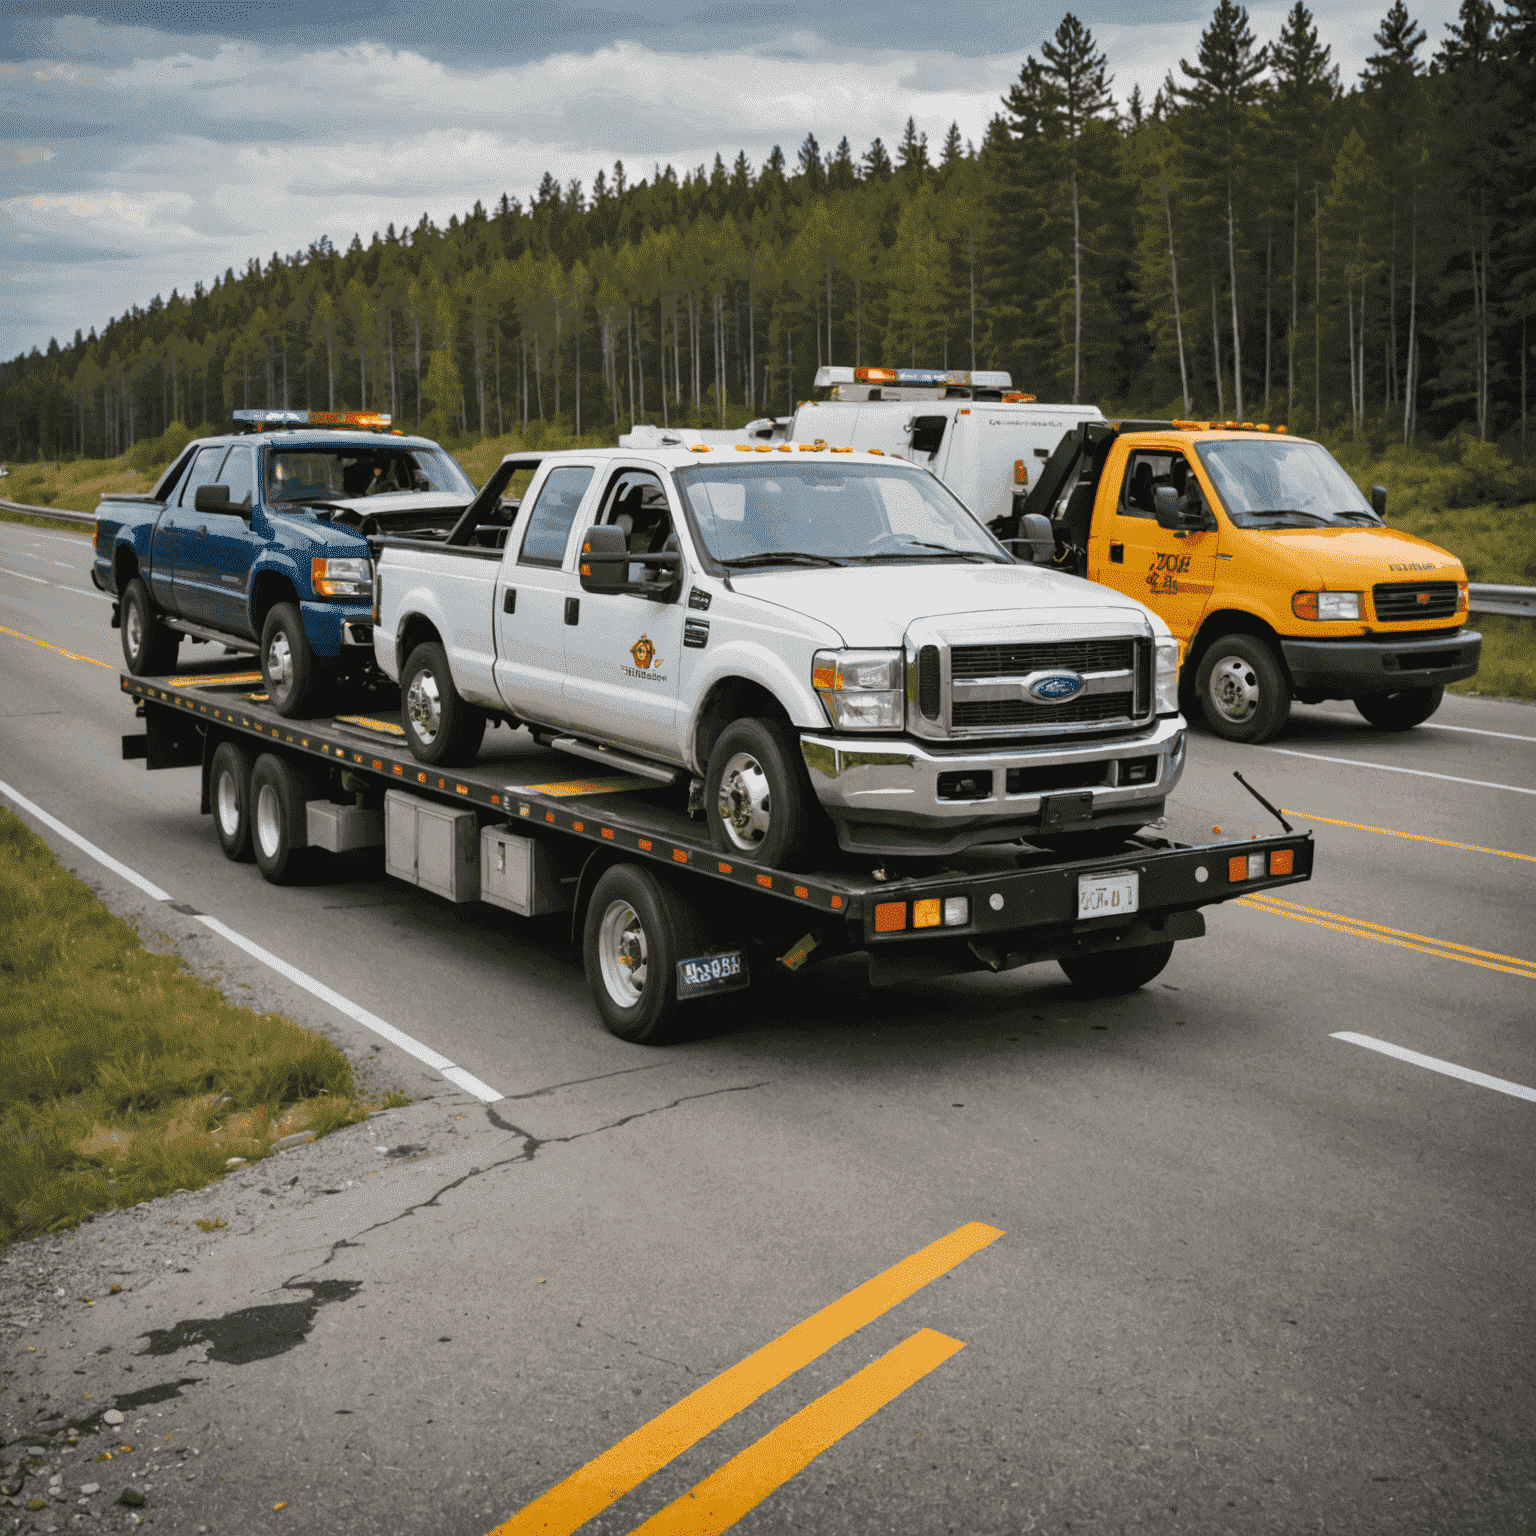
[202,632]
[622,760]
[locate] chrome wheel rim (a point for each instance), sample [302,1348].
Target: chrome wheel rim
[279,664]
[133,628]
[229,804]
[268,821]
[746,802]
[1234,689]
[623,953]
[424,705]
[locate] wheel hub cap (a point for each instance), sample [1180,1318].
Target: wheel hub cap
[1234,689]
[268,821]
[746,804]
[279,663]
[229,804]
[134,627]
[624,952]
[425,707]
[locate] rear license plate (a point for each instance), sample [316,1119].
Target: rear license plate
[705,974]
[1111,895]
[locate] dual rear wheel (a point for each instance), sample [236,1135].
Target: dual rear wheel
[259,809]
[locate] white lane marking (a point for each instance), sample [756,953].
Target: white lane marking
[6,570]
[68,565]
[1472,730]
[407,1043]
[131,876]
[1422,773]
[84,540]
[1449,1068]
[44,582]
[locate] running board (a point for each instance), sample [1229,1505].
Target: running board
[202,632]
[616,759]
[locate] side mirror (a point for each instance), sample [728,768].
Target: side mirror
[1037,543]
[1379,501]
[212,498]
[604,565]
[1165,506]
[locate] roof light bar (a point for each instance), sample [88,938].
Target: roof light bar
[929,377]
[316,418]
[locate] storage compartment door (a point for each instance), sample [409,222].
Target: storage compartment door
[448,852]
[400,835]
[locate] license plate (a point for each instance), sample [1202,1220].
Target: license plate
[1111,895]
[705,974]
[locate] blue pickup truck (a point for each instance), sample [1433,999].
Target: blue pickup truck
[258,540]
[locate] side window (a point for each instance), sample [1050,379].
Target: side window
[637,503]
[549,524]
[1146,470]
[204,471]
[240,474]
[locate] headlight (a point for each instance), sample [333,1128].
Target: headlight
[1461,597]
[860,690]
[1330,607]
[348,577]
[1166,681]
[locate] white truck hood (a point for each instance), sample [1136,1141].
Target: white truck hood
[873,605]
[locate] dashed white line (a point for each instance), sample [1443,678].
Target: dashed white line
[370,1021]
[1434,1064]
[6,571]
[1472,730]
[1422,773]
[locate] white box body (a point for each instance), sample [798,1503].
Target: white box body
[517,873]
[432,846]
[341,828]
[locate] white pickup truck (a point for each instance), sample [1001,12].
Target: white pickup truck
[795,630]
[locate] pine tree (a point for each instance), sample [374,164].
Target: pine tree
[912,152]
[954,146]
[877,162]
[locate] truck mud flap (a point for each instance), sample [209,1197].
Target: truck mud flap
[902,965]
[170,740]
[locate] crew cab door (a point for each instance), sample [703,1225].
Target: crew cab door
[624,659]
[535,594]
[214,550]
[1172,572]
[179,513]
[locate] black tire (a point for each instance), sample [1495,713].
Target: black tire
[1243,690]
[149,648]
[439,726]
[637,929]
[1113,975]
[229,788]
[770,814]
[1400,711]
[280,790]
[294,677]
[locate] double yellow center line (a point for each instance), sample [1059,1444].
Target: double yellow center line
[748,1478]
[1443,949]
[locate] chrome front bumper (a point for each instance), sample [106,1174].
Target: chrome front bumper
[895,796]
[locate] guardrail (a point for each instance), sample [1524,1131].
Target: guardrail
[1485,597]
[85,519]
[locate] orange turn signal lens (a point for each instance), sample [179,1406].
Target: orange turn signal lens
[824,679]
[1018,472]
[890,916]
[1237,868]
[928,913]
[1304,605]
[1282,861]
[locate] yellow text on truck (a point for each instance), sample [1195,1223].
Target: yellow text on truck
[1276,575]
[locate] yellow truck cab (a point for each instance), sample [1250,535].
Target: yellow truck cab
[1276,575]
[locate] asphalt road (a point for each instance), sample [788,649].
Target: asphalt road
[1250,1277]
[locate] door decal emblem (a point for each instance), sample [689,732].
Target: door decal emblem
[644,653]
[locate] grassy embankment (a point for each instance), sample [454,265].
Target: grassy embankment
[1463,495]
[125,1076]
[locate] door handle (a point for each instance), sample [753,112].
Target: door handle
[509,600]
[202,530]
[573,610]
[1117,554]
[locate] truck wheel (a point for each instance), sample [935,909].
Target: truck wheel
[636,932]
[439,726]
[149,647]
[280,790]
[1112,975]
[229,781]
[757,796]
[1243,692]
[292,674]
[1400,711]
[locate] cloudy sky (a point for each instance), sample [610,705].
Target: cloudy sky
[145,144]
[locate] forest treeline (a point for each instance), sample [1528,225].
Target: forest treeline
[1258,239]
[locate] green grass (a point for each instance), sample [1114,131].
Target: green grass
[1508,666]
[125,1076]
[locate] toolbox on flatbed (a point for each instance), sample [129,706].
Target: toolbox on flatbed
[526,829]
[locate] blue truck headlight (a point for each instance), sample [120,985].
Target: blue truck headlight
[860,690]
[1166,677]
[348,576]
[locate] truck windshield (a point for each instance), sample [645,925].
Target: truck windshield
[829,514]
[1269,482]
[334,472]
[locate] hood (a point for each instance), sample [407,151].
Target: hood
[873,605]
[1346,559]
[397,504]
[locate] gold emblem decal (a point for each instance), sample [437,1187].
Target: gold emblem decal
[644,653]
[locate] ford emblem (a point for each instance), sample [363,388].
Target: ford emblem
[1055,687]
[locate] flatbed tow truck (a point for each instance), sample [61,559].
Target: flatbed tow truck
[661,916]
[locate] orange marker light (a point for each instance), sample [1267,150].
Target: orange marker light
[1019,475]
[890,916]
[1237,868]
[1282,861]
[928,913]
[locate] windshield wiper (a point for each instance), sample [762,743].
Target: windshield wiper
[1287,512]
[779,557]
[918,544]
